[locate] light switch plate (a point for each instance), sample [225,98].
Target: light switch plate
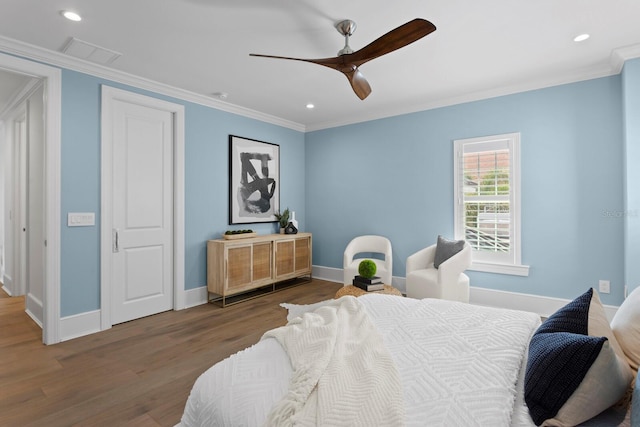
[81,219]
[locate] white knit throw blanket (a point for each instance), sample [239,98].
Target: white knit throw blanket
[343,375]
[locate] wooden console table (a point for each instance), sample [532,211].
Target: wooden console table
[239,266]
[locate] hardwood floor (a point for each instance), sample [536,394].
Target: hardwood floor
[138,373]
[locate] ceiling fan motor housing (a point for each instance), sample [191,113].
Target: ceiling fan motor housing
[346,28]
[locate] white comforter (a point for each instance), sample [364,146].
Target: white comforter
[458,365]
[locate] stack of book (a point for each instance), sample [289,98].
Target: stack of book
[372,284]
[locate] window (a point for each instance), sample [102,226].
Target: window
[487,201]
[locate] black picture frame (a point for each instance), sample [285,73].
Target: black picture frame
[254,180]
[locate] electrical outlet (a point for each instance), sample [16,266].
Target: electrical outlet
[604,286]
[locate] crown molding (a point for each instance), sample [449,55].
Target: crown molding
[621,55]
[616,62]
[49,57]
[471,97]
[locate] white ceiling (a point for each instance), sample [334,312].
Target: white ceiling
[480,48]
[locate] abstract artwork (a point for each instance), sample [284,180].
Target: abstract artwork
[254,180]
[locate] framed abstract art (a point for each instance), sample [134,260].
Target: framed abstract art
[254,180]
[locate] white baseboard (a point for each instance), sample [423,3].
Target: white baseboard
[82,324]
[400,283]
[544,306]
[327,273]
[88,323]
[34,318]
[34,309]
[79,325]
[7,284]
[195,297]
[335,275]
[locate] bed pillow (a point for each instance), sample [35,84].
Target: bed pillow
[626,327]
[598,324]
[445,249]
[635,405]
[573,371]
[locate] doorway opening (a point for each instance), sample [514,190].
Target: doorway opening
[29,191]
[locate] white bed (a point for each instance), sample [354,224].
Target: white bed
[458,364]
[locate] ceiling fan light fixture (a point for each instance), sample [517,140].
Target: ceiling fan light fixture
[71,15]
[581,37]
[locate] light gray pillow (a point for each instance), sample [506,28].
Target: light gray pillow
[445,249]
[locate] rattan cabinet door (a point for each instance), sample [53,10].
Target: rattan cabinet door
[262,264]
[303,256]
[284,259]
[238,268]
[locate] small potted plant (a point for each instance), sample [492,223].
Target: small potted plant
[283,219]
[367,269]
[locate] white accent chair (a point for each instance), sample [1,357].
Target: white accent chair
[445,282]
[368,244]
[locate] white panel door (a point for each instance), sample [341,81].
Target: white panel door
[142,216]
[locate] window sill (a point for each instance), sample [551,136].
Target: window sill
[512,269]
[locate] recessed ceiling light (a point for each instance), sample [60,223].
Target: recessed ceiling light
[581,37]
[310,106]
[71,16]
[221,95]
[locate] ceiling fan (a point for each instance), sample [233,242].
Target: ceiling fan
[348,61]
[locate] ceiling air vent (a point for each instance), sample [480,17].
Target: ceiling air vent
[90,52]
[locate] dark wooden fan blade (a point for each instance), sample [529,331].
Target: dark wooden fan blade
[359,84]
[393,40]
[335,63]
[348,64]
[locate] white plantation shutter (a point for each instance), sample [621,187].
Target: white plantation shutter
[487,199]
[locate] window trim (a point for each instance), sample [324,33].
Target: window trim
[513,265]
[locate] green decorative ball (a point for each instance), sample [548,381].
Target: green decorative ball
[367,268]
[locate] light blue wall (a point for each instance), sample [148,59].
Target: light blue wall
[394,177]
[80,192]
[206,183]
[631,102]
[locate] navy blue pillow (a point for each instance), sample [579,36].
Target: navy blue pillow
[560,354]
[573,317]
